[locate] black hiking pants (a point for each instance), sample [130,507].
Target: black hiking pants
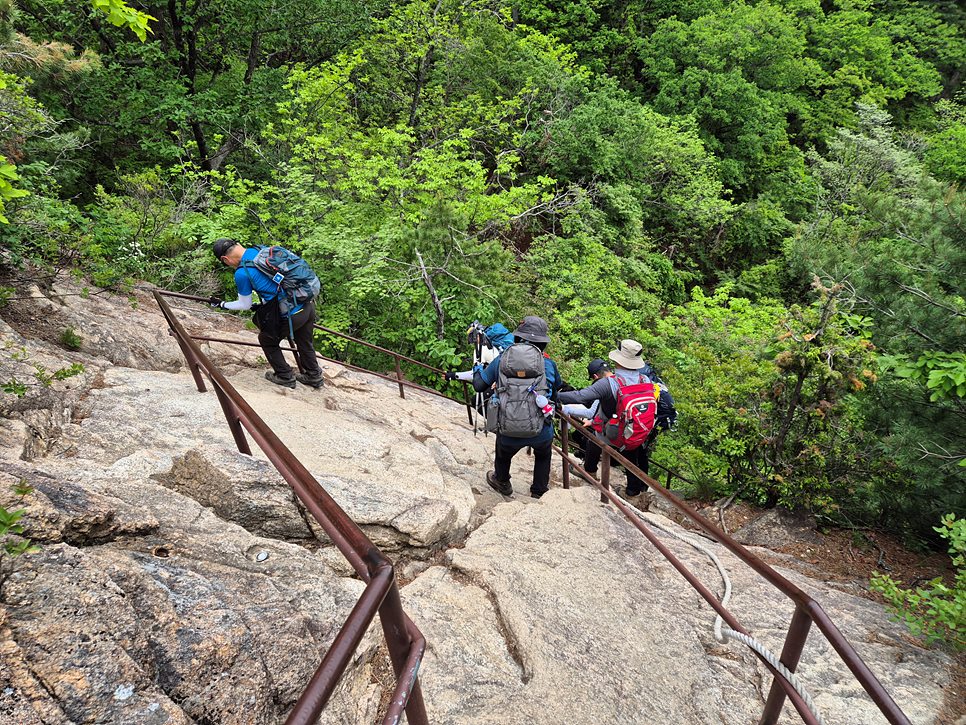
[270,340]
[507,448]
[640,457]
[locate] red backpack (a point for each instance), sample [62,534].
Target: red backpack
[634,419]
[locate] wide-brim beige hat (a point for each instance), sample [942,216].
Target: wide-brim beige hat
[628,354]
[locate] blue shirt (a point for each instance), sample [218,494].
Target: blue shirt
[248,278]
[553,381]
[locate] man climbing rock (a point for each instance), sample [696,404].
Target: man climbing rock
[520,411]
[286,288]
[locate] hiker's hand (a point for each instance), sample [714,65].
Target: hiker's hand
[449,376]
[215,301]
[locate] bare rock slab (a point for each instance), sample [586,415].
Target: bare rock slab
[197,620]
[239,488]
[561,612]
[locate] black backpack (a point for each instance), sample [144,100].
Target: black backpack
[667,414]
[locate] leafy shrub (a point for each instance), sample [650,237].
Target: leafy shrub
[70,339]
[935,611]
[12,543]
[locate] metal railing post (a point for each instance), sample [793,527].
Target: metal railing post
[400,642]
[791,654]
[565,445]
[604,473]
[234,424]
[399,378]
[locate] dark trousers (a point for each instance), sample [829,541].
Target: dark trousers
[640,457]
[507,448]
[302,322]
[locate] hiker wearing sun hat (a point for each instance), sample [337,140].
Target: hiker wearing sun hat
[629,375]
[520,411]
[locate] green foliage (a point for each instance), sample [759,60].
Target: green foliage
[11,539]
[893,235]
[712,352]
[650,175]
[936,611]
[768,399]
[13,387]
[201,85]
[944,374]
[719,179]
[8,174]
[945,153]
[18,359]
[122,15]
[70,339]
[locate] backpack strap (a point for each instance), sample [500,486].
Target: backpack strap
[615,385]
[248,265]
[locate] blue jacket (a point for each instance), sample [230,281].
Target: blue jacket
[483,380]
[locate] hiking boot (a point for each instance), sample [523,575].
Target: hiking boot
[272,377]
[316,382]
[575,472]
[537,494]
[497,485]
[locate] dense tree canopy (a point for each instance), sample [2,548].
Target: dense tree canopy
[768,194]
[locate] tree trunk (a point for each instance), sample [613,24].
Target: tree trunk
[428,280]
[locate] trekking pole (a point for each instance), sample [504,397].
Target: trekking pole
[478,399]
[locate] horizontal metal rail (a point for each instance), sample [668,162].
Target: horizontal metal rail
[289,348]
[807,610]
[397,358]
[403,640]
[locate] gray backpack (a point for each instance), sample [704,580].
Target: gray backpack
[513,410]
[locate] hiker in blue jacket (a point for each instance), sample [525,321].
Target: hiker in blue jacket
[273,326]
[532,331]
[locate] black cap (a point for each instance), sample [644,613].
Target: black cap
[221,246]
[597,366]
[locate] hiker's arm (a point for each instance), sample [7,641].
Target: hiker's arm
[243,284]
[578,411]
[600,389]
[466,376]
[483,379]
[244,302]
[582,411]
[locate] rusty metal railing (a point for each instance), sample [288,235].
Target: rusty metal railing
[404,641]
[807,610]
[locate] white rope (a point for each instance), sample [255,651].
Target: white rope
[722,632]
